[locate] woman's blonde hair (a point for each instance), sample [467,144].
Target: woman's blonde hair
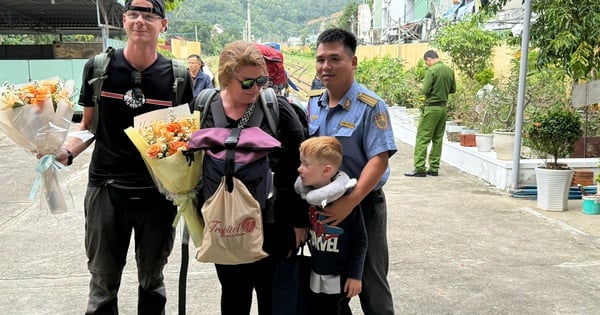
[235,55]
[325,149]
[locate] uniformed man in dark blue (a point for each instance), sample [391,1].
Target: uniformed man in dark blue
[359,119]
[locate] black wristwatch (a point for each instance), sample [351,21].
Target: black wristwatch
[69,157]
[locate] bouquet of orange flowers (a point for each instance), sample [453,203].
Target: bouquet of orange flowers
[162,137]
[37,117]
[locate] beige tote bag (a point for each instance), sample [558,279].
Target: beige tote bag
[233,227]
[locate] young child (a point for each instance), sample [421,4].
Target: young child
[338,252]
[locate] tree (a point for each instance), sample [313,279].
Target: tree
[566,33]
[349,16]
[173,4]
[272,20]
[468,45]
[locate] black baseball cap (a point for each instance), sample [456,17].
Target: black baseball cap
[158,7]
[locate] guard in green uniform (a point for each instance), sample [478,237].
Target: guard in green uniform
[439,82]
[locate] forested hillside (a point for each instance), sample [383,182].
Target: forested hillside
[272,20]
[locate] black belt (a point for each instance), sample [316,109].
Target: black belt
[437,104]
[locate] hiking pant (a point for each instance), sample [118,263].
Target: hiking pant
[376,296]
[431,128]
[110,217]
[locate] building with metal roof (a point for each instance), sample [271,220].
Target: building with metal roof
[97,17]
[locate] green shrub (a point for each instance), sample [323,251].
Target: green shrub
[386,77]
[468,44]
[553,132]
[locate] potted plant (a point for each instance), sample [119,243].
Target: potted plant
[544,87]
[486,122]
[552,134]
[469,108]
[498,107]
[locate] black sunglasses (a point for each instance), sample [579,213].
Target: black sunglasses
[137,98]
[136,79]
[248,83]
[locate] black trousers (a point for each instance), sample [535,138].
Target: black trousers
[329,304]
[376,296]
[239,281]
[111,215]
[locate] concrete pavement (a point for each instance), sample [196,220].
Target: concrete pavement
[457,246]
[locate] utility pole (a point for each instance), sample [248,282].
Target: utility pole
[521,95]
[248,32]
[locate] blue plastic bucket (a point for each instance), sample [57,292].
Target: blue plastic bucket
[591,204]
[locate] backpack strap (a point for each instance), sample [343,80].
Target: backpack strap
[270,106]
[179,75]
[218,114]
[101,63]
[230,144]
[202,103]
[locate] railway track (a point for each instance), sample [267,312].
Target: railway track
[297,73]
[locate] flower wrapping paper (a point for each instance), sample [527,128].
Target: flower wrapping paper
[175,175]
[37,117]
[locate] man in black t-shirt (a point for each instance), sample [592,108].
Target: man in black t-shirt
[121,196]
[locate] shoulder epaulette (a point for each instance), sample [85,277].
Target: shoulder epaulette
[367,99]
[316,92]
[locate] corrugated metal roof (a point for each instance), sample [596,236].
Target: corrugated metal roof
[59,16]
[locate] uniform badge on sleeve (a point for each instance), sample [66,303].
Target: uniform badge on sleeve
[381,121]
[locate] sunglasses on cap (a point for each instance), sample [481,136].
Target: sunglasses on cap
[249,83]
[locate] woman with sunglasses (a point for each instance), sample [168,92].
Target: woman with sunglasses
[242,75]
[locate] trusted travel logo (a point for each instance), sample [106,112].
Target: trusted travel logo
[245,226]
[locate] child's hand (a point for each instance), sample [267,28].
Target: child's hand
[352,287]
[301,236]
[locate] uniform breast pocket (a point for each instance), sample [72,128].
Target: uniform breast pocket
[313,129]
[348,138]
[344,132]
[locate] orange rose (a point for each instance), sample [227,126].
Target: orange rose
[153,151]
[177,145]
[167,135]
[156,128]
[42,94]
[174,127]
[184,123]
[29,89]
[51,85]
